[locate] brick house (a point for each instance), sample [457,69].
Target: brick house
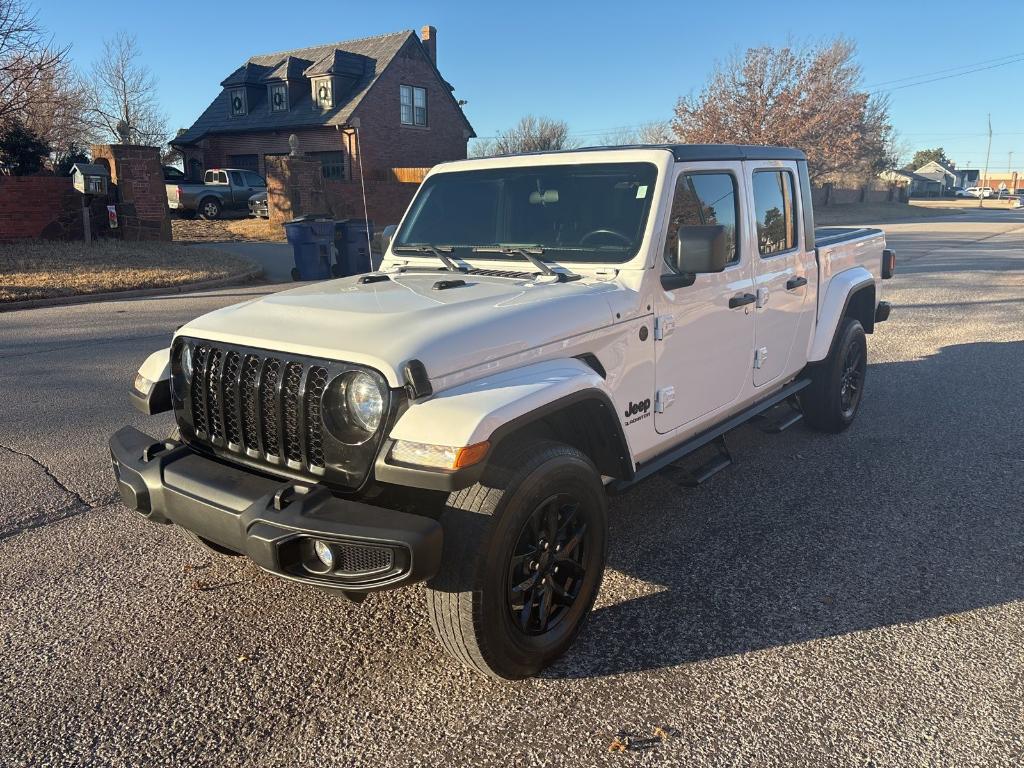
[379,98]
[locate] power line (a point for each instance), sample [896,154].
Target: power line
[943,71]
[947,77]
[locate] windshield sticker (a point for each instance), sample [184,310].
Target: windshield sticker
[641,192]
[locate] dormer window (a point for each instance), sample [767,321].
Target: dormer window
[279,97]
[323,93]
[238,102]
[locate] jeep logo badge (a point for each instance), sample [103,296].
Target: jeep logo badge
[635,408]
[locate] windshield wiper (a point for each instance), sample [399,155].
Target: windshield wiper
[440,251]
[528,252]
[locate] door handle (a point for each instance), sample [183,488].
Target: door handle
[795,282]
[741,300]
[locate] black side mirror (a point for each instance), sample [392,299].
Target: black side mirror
[699,249]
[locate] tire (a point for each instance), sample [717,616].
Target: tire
[209,546]
[487,603]
[832,400]
[209,208]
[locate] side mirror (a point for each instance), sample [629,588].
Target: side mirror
[386,237]
[701,249]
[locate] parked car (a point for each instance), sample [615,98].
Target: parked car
[983,192]
[544,329]
[222,189]
[258,205]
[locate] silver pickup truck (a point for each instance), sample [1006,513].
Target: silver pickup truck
[222,189]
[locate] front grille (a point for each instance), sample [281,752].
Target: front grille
[258,406]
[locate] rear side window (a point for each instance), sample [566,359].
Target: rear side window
[703,199]
[775,211]
[236,179]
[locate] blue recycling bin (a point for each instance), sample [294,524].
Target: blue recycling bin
[352,248]
[310,238]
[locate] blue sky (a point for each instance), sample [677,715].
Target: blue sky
[597,65]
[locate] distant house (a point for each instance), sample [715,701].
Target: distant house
[916,184]
[388,86]
[943,176]
[967,177]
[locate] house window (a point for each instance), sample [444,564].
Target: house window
[238,105]
[414,105]
[246,162]
[332,164]
[279,97]
[323,93]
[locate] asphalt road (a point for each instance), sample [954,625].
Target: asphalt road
[830,600]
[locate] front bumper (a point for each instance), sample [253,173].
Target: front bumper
[274,522]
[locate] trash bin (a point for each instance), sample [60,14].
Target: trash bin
[310,238]
[352,248]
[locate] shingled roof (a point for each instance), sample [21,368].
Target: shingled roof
[374,54]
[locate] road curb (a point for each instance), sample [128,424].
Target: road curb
[170,290]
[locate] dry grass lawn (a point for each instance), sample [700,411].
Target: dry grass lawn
[880,213]
[38,269]
[225,230]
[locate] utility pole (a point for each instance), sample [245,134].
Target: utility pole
[981,195]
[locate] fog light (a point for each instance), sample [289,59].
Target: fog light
[324,553]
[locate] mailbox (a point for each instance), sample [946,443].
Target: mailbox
[90,178]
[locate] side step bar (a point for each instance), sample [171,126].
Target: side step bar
[786,420]
[651,466]
[695,476]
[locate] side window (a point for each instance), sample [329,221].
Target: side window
[236,179]
[775,210]
[254,180]
[703,199]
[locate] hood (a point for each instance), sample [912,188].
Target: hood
[387,323]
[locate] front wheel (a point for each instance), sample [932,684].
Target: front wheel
[833,398]
[524,554]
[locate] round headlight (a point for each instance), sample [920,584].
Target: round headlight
[364,402]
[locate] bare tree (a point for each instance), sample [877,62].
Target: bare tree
[654,132]
[530,134]
[59,112]
[27,58]
[803,97]
[125,106]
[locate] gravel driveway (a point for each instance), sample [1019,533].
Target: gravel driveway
[851,600]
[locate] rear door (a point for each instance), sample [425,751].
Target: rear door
[704,347]
[784,269]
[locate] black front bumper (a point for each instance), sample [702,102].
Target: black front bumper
[274,522]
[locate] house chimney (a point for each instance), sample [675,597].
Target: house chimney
[429,37]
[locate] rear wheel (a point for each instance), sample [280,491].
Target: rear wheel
[833,398]
[209,208]
[523,561]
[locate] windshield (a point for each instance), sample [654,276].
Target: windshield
[582,213]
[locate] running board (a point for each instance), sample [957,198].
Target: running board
[696,476]
[651,466]
[794,415]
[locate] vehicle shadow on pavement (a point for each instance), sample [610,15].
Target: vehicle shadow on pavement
[913,513]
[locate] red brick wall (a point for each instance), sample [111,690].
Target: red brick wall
[46,207]
[137,177]
[296,187]
[386,143]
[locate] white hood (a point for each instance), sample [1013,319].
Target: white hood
[385,324]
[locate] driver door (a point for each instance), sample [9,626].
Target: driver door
[704,346]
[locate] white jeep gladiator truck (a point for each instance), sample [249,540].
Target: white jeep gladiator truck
[544,330]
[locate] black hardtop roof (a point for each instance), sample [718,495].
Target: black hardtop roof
[692,152]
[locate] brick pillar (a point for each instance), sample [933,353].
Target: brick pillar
[138,181]
[295,187]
